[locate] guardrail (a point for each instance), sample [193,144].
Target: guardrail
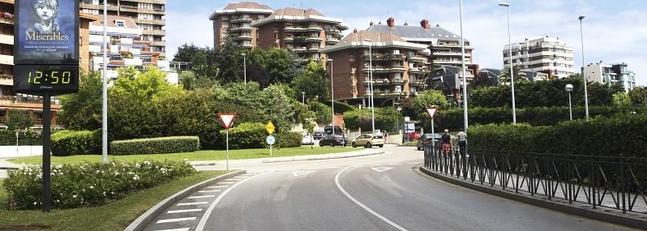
[611,182]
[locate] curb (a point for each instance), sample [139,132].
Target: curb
[301,158]
[150,215]
[582,210]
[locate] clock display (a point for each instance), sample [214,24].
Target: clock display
[58,79]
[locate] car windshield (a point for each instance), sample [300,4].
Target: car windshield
[377,137]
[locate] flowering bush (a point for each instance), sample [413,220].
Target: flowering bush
[90,184]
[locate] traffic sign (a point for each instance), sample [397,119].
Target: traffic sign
[270,127]
[227,119]
[270,140]
[431,112]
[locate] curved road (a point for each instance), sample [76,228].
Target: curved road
[382,192]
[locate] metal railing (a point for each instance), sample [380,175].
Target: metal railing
[612,182]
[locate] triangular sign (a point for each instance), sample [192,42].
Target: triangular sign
[431,112]
[226,119]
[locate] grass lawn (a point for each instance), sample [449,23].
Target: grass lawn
[193,156]
[114,216]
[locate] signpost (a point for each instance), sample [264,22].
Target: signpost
[270,139]
[431,112]
[46,62]
[227,120]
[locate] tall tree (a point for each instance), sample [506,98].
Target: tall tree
[504,79]
[312,81]
[82,110]
[638,96]
[19,120]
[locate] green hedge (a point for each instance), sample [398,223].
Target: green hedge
[625,134]
[90,184]
[66,142]
[288,140]
[172,144]
[245,135]
[385,119]
[30,137]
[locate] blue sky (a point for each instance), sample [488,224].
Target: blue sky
[614,31]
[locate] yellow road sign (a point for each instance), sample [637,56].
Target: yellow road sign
[269,127]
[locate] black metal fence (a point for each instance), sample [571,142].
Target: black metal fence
[614,182]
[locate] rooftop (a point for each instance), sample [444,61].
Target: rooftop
[242,7]
[295,14]
[113,19]
[364,39]
[416,33]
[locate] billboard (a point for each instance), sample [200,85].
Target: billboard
[47,32]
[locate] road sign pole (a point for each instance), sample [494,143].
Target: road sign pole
[433,139]
[47,191]
[270,150]
[227,132]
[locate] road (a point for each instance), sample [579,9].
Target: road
[381,192]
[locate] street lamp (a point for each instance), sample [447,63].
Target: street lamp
[397,120]
[332,92]
[303,97]
[586,94]
[514,108]
[569,88]
[244,66]
[465,120]
[370,74]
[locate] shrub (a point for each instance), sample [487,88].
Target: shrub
[30,137]
[90,184]
[246,135]
[288,140]
[66,142]
[170,144]
[385,119]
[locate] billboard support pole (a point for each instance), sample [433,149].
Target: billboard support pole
[47,190]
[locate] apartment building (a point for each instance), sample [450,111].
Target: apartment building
[548,55]
[610,74]
[305,32]
[234,21]
[444,47]
[149,15]
[125,47]
[399,67]
[9,99]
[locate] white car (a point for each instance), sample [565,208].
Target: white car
[307,140]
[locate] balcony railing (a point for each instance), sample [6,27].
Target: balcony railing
[6,79]
[26,102]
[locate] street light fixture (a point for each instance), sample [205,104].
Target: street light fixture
[244,67]
[586,94]
[370,74]
[303,97]
[569,88]
[507,12]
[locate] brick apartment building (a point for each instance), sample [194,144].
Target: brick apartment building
[399,67]
[305,32]
[234,21]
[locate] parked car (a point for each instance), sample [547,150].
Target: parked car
[318,135]
[307,140]
[368,141]
[333,140]
[425,139]
[333,130]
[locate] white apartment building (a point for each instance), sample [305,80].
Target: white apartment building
[610,74]
[549,55]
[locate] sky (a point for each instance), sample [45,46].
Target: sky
[614,31]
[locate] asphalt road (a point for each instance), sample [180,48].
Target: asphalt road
[382,192]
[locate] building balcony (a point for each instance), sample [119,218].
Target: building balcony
[160,22]
[418,83]
[313,28]
[6,80]
[381,57]
[162,2]
[6,59]
[243,37]
[314,39]
[239,20]
[241,28]
[19,102]
[288,39]
[294,29]
[448,62]
[155,32]
[6,39]
[299,49]
[111,7]
[7,20]
[332,41]
[457,54]
[416,59]
[416,70]
[313,49]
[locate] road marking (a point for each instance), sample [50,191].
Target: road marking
[218,186]
[395,225]
[199,197]
[381,169]
[210,191]
[184,211]
[301,173]
[192,203]
[223,182]
[207,214]
[180,229]
[176,220]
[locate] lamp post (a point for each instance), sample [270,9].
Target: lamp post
[244,67]
[569,88]
[104,90]
[370,74]
[514,109]
[332,92]
[465,120]
[586,94]
[397,119]
[303,97]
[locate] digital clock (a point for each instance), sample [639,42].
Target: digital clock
[56,79]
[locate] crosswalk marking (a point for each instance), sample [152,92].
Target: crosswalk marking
[176,220]
[218,186]
[209,191]
[193,203]
[204,196]
[180,229]
[184,211]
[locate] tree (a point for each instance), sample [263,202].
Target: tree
[638,96]
[274,64]
[18,120]
[429,98]
[621,99]
[229,60]
[82,110]
[504,79]
[312,81]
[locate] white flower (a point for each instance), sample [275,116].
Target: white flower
[91,187]
[74,196]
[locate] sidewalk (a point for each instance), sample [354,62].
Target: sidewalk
[358,153]
[6,165]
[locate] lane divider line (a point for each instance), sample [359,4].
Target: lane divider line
[176,220]
[212,206]
[193,203]
[395,225]
[184,211]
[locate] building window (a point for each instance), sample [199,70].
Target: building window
[120,23]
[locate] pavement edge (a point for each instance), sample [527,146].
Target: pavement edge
[570,209]
[152,213]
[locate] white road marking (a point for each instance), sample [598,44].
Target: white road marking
[395,225]
[301,173]
[381,169]
[209,191]
[176,220]
[192,203]
[218,186]
[184,211]
[199,197]
[180,229]
[207,214]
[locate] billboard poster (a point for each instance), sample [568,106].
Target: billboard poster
[47,32]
